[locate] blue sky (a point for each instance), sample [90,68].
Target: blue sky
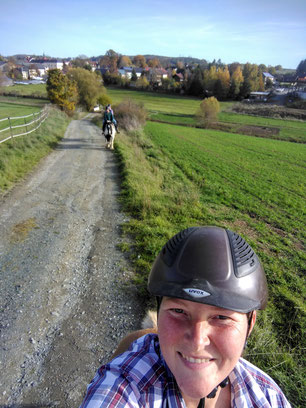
[271,32]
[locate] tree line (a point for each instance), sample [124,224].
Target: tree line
[234,81]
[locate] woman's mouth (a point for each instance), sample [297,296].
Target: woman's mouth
[195,360]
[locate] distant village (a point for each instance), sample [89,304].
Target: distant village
[32,68]
[185,75]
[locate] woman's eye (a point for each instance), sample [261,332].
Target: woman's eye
[222,317]
[179,311]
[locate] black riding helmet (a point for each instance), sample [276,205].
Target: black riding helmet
[210,265]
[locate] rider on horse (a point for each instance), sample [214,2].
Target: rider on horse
[109,116]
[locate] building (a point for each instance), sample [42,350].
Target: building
[259,96]
[156,75]
[268,77]
[48,63]
[127,72]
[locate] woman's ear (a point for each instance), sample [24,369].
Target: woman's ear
[251,322]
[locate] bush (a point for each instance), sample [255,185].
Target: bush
[208,111]
[130,115]
[142,83]
[297,104]
[104,99]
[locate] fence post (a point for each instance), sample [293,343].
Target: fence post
[11,130]
[25,123]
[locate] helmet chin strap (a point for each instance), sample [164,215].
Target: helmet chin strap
[213,393]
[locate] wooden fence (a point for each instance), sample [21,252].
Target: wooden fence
[24,124]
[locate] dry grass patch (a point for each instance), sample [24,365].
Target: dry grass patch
[21,231]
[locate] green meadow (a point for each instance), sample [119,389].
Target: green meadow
[35,90]
[16,109]
[176,176]
[155,102]
[181,110]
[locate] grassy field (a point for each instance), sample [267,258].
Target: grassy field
[154,102]
[174,177]
[17,100]
[19,156]
[182,110]
[35,90]
[15,109]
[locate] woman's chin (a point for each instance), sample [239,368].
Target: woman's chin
[193,391]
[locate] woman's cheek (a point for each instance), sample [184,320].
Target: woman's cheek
[170,328]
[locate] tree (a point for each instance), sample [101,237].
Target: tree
[261,83]
[79,63]
[196,83]
[15,73]
[271,70]
[104,62]
[134,75]
[110,60]
[301,69]
[167,83]
[210,78]
[153,79]
[269,84]
[232,67]
[139,61]
[154,63]
[142,83]
[90,86]
[111,54]
[124,61]
[236,81]
[262,68]
[245,88]
[208,112]
[222,86]
[113,60]
[104,100]
[62,91]
[252,75]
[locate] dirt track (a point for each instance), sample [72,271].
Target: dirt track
[65,292]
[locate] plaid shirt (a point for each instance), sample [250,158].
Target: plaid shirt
[141,378]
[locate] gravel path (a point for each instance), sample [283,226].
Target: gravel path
[65,292]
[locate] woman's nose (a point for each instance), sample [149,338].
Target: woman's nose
[198,335]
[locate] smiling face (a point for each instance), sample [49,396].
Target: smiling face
[200,343]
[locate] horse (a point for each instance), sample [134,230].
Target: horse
[109,133]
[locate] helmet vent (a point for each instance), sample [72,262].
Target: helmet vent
[244,258]
[172,247]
